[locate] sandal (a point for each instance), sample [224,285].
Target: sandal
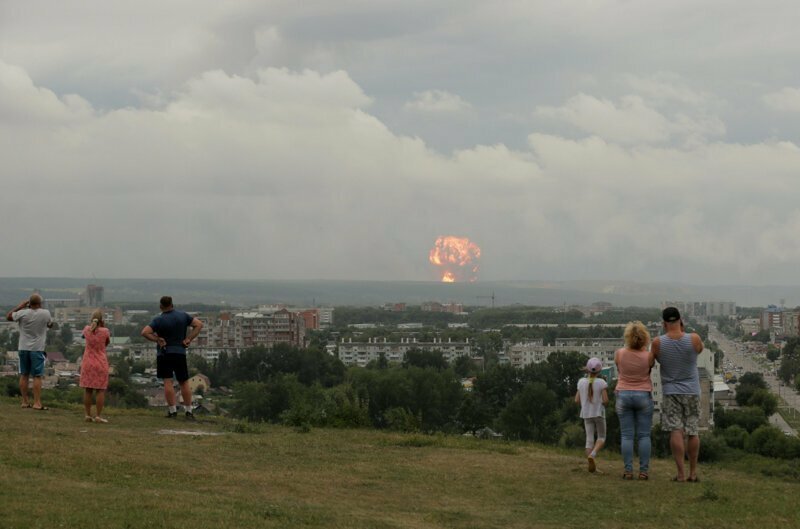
[43,408]
[25,406]
[627,476]
[677,479]
[693,480]
[88,418]
[100,419]
[643,476]
[592,464]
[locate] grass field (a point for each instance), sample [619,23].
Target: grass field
[57,471]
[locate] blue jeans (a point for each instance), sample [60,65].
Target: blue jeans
[635,411]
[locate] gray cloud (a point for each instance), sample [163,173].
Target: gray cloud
[291,140]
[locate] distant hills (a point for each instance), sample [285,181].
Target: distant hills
[323,292]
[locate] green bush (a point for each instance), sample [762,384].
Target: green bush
[749,418]
[343,408]
[771,442]
[402,420]
[573,436]
[712,447]
[659,440]
[11,387]
[735,436]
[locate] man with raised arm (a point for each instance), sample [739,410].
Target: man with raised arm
[677,353]
[33,323]
[168,331]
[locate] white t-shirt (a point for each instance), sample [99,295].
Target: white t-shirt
[593,408]
[32,328]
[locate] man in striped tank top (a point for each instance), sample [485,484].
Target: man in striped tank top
[677,353]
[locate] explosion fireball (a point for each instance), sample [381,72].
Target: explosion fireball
[457,257]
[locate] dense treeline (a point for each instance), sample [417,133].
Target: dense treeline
[425,393]
[747,428]
[789,371]
[495,318]
[485,318]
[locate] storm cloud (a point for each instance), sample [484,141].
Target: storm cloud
[571,140]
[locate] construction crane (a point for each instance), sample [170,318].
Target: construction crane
[487,297]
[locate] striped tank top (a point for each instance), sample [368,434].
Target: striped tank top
[678,359]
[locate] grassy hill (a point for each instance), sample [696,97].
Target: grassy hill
[57,471]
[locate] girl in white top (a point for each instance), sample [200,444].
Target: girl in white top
[592,395]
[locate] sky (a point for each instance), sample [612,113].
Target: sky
[586,139]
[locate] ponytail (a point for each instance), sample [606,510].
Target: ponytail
[97,320]
[592,378]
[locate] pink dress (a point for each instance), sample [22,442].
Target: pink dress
[94,367]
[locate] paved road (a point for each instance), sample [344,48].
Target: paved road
[737,355]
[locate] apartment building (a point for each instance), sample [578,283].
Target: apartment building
[249,329]
[360,353]
[703,309]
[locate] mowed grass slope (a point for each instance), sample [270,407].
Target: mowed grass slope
[57,471]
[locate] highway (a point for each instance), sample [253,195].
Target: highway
[739,357]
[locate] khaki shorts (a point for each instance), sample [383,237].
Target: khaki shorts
[680,412]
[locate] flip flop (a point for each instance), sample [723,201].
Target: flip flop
[43,408]
[26,406]
[693,480]
[678,479]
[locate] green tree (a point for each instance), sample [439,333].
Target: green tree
[532,415]
[120,394]
[790,360]
[198,364]
[773,353]
[122,369]
[497,386]
[473,414]
[464,366]
[753,379]
[749,418]
[764,400]
[420,358]
[65,333]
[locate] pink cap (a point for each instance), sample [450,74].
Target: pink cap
[594,365]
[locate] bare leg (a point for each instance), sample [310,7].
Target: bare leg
[169,392]
[677,446]
[694,451]
[101,401]
[600,443]
[23,389]
[37,392]
[87,401]
[186,393]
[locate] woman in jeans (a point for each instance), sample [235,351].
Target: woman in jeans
[634,396]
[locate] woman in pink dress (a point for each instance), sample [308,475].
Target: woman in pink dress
[94,367]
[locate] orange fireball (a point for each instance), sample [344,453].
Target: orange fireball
[457,257]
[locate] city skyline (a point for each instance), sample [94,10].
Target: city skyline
[573,141]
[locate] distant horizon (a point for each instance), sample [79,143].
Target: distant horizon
[89,280]
[361,292]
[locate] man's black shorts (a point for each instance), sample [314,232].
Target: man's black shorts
[171,363]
